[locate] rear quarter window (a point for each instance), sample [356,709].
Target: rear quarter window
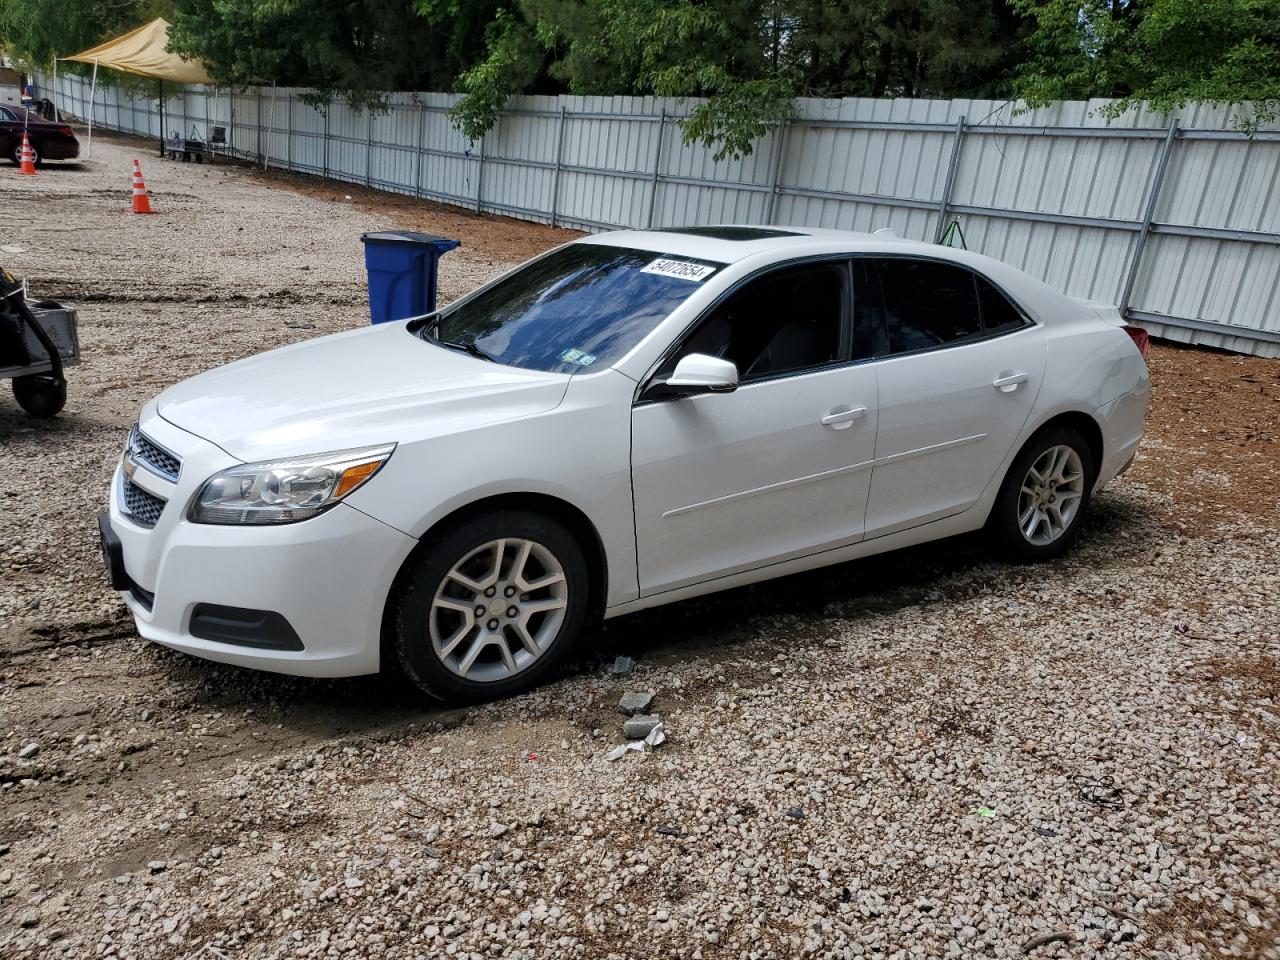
[999,315]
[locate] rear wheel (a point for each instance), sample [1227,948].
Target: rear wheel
[1044,496]
[40,395]
[491,608]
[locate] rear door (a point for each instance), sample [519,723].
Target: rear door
[961,371]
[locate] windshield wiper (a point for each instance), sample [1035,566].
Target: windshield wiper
[470,348]
[431,334]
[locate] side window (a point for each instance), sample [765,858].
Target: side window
[786,321]
[998,314]
[7,114]
[927,304]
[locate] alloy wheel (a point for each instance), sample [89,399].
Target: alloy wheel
[1051,494]
[498,609]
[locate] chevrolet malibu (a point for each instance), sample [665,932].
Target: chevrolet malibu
[628,420]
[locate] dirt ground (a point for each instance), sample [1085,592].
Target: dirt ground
[911,756]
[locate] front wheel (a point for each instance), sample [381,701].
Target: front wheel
[16,155]
[1039,509]
[42,396]
[491,607]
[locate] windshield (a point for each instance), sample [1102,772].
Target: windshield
[580,307]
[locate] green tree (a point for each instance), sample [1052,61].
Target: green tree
[750,58]
[357,50]
[1165,52]
[38,30]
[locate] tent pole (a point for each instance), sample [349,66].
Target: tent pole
[54,96]
[161,85]
[93,86]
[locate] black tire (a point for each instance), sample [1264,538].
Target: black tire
[40,395]
[1003,528]
[425,571]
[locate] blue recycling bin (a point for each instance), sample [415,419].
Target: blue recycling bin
[402,268]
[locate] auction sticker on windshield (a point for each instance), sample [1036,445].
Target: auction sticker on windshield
[573,355]
[682,269]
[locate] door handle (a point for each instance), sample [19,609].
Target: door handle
[840,419]
[1008,382]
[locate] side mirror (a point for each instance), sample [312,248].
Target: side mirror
[696,373]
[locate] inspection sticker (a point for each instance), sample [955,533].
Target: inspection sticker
[577,356]
[680,269]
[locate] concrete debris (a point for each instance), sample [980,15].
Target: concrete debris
[636,702]
[639,726]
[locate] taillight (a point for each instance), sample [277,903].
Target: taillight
[1140,339]
[66,131]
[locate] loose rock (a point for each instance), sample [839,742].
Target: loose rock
[633,703]
[640,726]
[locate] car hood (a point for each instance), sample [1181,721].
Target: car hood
[372,386]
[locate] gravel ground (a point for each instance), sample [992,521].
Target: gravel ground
[924,755]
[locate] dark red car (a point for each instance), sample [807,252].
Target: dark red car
[49,141]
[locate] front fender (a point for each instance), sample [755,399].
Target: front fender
[579,453]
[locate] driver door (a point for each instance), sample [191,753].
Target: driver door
[780,467]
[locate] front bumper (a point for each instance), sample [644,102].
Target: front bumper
[328,577]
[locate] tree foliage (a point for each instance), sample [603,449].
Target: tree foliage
[1164,52]
[38,30]
[356,49]
[749,58]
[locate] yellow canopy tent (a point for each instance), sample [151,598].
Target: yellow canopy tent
[142,52]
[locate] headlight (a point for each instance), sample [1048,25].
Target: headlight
[285,491]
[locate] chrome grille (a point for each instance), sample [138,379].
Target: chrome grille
[154,457]
[141,507]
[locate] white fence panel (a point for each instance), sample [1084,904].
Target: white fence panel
[1179,225]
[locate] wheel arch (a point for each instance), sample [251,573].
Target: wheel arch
[1084,424]
[564,512]
[1078,420]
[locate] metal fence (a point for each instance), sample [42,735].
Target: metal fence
[1176,219]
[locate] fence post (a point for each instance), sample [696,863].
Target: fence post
[1131,275]
[775,178]
[231,122]
[257,92]
[288,139]
[657,166]
[480,173]
[368,149]
[422,138]
[555,182]
[325,169]
[952,164]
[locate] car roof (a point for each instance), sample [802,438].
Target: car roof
[729,243]
[765,244]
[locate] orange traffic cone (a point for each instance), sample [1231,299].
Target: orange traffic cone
[27,161]
[141,202]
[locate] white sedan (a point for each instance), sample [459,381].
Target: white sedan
[628,420]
